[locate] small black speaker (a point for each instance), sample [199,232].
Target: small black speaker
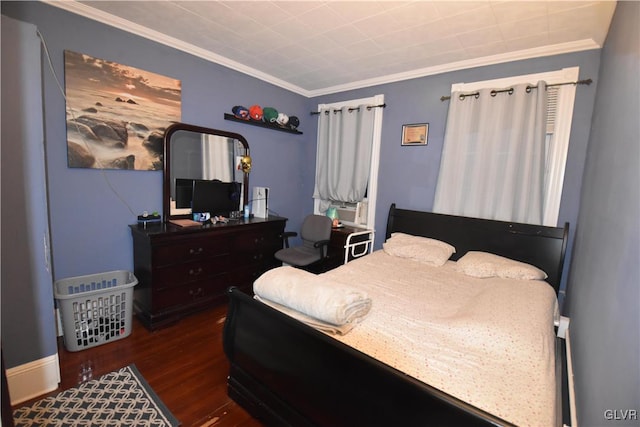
[235,190]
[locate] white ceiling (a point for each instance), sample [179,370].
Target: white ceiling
[319,47]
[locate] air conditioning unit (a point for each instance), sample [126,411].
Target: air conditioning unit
[354,214]
[346,214]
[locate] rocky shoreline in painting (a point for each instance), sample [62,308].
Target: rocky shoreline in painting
[89,134]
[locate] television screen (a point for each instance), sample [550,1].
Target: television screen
[215,197]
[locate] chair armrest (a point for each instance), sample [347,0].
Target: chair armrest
[285,236]
[321,243]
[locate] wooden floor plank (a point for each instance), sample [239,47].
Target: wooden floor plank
[183,363]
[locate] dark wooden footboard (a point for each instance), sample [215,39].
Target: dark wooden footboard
[287,373]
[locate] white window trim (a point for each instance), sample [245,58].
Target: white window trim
[562,131]
[372,190]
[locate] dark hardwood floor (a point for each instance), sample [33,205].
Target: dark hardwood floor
[183,363]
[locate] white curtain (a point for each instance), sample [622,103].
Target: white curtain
[345,140]
[493,160]
[217,158]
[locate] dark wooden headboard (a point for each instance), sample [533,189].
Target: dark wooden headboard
[537,245]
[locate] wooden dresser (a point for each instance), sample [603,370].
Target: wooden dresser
[181,270]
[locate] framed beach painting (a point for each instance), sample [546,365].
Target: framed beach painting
[116,114]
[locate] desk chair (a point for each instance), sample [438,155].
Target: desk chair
[315,234]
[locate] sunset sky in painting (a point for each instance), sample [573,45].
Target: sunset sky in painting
[86,72]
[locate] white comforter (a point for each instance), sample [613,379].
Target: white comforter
[488,342]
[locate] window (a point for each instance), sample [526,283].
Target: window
[559,118]
[359,212]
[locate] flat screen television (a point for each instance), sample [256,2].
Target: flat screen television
[215,197]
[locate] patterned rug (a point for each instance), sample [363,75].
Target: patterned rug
[119,398]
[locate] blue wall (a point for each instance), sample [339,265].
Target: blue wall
[408,175]
[604,285]
[26,277]
[89,221]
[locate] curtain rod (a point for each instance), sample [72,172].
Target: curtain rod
[510,90]
[369,107]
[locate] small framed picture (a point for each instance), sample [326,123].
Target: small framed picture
[415,134]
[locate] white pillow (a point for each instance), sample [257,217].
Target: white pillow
[422,249]
[484,264]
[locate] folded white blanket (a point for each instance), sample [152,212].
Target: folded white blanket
[314,323]
[313,296]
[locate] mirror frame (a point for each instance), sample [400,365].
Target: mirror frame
[166,170]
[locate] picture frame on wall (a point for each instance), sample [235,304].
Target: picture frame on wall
[415,134]
[117,114]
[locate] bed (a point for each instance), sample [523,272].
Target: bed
[285,372]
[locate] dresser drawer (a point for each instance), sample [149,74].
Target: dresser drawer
[190,293]
[177,274]
[269,239]
[188,250]
[255,256]
[245,276]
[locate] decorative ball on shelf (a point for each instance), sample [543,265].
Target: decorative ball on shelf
[240,112]
[294,122]
[270,115]
[282,119]
[255,112]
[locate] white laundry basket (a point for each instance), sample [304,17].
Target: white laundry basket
[95,309]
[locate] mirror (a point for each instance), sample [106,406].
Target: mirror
[198,153]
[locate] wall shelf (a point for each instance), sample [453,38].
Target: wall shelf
[233,118]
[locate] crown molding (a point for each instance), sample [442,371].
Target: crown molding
[139,30]
[557,49]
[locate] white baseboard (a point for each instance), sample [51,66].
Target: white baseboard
[572,395]
[563,327]
[33,379]
[563,333]
[59,328]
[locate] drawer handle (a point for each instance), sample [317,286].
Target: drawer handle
[195,251]
[196,272]
[197,293]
